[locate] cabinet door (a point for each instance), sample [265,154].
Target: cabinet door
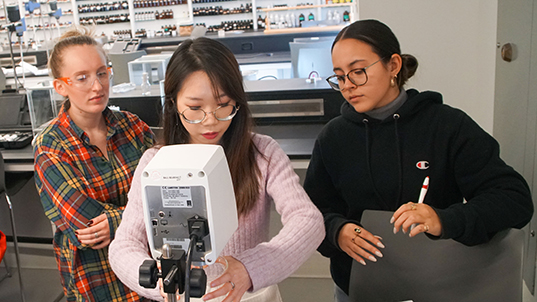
[515,113]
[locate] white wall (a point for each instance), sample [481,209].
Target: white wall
[455,44]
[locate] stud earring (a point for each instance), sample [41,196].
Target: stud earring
[392,81]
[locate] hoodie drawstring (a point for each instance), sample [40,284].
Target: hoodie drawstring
[367,157]
[365,121]
[399,163]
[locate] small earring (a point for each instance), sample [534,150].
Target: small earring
[392,81]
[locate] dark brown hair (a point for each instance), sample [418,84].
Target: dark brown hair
[75,36]
[220,65]
[383,42]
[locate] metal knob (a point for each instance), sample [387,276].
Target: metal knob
[507,52]
[166,251]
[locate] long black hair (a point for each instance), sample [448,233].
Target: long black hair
[220,65]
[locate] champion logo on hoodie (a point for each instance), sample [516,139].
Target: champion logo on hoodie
[422,165]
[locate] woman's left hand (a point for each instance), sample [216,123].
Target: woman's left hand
[421,215]
[235,282]
[96,234]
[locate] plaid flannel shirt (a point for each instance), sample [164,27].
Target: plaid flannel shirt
[76,183]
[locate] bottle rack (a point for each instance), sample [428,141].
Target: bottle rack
[124,34]
[102,7]
[219,10]
[157,3]
[337,24]
[153,15]
[230,25]
[101,20]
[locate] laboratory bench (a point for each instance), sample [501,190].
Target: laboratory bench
[292,111]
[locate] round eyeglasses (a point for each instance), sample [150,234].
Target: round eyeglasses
[356,76]
[86,81]
[196,115]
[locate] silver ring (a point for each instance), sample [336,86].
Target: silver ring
[426,227]
[232,285]
[96,235]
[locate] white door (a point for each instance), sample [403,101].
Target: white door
[515,105]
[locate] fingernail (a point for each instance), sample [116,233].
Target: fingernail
[379,237]
[404,232]
[90,222]
[392,220]
[379,254]
[362,262]
[394,230]
[372,258]
[380,245]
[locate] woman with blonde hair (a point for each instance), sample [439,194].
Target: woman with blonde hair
[84,162]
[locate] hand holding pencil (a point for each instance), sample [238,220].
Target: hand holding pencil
[419,214]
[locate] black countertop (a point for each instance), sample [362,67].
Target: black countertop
[247,42]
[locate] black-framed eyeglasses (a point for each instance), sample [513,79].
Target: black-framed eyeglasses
[357,76]
[196,115]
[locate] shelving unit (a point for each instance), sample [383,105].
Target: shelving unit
[181,10]
[183,14]
[239,14]
[40,27]
[330,25]
[116,15]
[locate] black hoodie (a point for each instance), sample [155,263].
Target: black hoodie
[361,163]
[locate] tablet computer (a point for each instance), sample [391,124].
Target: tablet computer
[422,269]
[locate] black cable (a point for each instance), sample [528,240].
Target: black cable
[193,240]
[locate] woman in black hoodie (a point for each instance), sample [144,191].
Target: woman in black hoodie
[387,140]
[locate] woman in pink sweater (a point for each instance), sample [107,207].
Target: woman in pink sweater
[206,104]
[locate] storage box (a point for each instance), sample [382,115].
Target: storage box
[154,65]
[44,104]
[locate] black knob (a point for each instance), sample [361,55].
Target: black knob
[198,282]
[148,274]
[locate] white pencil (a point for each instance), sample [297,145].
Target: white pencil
[424,189]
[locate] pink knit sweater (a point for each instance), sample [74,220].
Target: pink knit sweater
[267,260]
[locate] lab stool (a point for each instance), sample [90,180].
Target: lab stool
[10,187]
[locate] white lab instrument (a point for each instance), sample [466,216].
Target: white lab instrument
[186,182]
